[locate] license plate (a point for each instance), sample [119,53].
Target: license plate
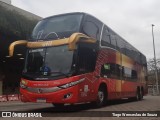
[42,100]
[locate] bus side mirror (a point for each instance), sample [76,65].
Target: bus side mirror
[12,46]
[79,37]
[72,46]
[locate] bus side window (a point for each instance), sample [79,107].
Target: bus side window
[113,41]
[121,45]
[106,40]
[106,71]
[134,74]
[129,74]
[110,71]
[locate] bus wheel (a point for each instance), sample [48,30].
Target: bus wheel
[142,93]
[102,97]
[58,105]
[138,95]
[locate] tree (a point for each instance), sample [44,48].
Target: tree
[151,71]
[151,66]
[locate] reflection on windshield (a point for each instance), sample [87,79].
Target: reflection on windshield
[49,27]
[35,60]
[50,61]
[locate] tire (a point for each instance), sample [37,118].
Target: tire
[138,95]
[142,94]
[102,97]
[58,105]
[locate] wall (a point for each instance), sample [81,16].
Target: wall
[6,1]
[20,11]
[12,20]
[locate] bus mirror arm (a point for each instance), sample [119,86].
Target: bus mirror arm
[71,41]
[79,37]
[12,46]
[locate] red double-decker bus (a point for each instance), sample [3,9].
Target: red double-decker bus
[75,58]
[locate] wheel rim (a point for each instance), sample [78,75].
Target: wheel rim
[101,96]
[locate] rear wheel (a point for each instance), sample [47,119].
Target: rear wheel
[139,95]
[142,93]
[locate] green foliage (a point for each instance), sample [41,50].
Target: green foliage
[14,24]
[151,65]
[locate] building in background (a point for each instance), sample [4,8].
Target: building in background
[6,1]
[15,24]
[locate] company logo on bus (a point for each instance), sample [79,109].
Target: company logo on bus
[40,90]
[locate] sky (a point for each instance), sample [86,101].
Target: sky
[131,19]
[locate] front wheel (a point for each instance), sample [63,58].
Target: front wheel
[102,97]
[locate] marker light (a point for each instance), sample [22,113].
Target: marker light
[23,84]
[72,83]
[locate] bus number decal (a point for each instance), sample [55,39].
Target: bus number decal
[86,88]
[47,43]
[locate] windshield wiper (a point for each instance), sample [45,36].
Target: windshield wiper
[61,73]
[53,74]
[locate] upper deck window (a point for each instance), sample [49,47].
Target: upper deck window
[50,27]
[106,37]
[92,27]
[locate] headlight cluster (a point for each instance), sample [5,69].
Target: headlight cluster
[23,84]
[72,83]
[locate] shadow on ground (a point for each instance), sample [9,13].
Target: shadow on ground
[79,107]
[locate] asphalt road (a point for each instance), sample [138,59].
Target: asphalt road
[150,104]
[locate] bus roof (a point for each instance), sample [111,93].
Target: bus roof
[85,15]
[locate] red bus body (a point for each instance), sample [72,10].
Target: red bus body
[85,87]
[87,90]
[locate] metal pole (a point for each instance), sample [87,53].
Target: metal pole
[156,74]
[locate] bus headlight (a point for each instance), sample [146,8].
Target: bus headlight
[23,84]
[71,83]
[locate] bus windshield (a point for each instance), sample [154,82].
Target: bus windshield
[53,27]
[49,62]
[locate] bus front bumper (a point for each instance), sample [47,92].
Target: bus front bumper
[68,95]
